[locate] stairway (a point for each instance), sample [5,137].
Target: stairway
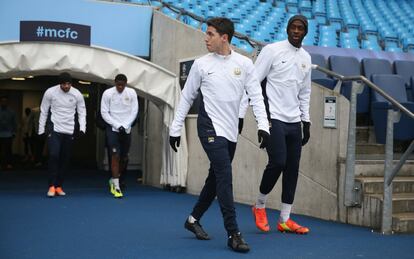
[369,174]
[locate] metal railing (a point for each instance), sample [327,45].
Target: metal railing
[393,116]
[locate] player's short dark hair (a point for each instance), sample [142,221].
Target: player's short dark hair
[65,77]
[222,25]
[121,77]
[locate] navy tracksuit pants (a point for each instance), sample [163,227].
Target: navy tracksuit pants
[284,152]
[220,152]
[60,149]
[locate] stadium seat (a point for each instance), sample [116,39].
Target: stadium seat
[372,66]
[319,77]
[405,69]
[394,86]
[350,66]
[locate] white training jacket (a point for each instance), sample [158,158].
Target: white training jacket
[288,88]
[63,107]
[119,109]
[222,80]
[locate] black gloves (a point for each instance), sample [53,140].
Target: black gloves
[263,138]
[79,134]
[175,142]
[306,132]
[121,130]
[241,120]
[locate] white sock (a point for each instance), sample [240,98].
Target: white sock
[261,201]
[115,181]
[285,212]
[191,219]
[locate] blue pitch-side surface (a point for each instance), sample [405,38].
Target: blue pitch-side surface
[148,223]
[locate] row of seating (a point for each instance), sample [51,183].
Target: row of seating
[397,80]
[373,25]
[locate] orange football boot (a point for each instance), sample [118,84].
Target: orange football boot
[261,219]
[51,192]
[291,226]
[59,191]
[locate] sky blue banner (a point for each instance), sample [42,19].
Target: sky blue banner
[122,27]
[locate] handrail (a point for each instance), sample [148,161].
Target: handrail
[390,171]
[369,83]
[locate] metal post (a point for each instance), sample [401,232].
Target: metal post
[386,225]
[350,197]
[404,158]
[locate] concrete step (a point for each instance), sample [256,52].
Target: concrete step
[362,134]
[401,202]
[376,168]
[369,214]
[403,222]
[369,148]
[375,185]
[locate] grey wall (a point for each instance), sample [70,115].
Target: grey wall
[172,41]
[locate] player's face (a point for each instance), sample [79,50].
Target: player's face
[120,85]
[296,33]
[65,87]
[214,41]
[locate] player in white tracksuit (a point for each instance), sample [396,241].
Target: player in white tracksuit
[287,68]
[63,101]
[119,109]
[220,77]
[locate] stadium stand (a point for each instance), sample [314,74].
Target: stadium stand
[373,25]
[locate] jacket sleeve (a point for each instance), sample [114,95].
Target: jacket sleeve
[134,111]
[105,105]
[44,111]
[304,97]
[263,63]
[81,110]
[188,95]
[254,92]
[244,104]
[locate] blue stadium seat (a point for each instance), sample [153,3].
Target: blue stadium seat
[319,77]
[394,86]
[372,66]
[405,69]
[246,47]
[350,66]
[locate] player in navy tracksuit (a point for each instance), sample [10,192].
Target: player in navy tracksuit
[287,68]
[63,101]
[221,77]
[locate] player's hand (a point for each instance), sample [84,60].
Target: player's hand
[306,132]
[241,122]
[122,130]
[175,142]
[263,138]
